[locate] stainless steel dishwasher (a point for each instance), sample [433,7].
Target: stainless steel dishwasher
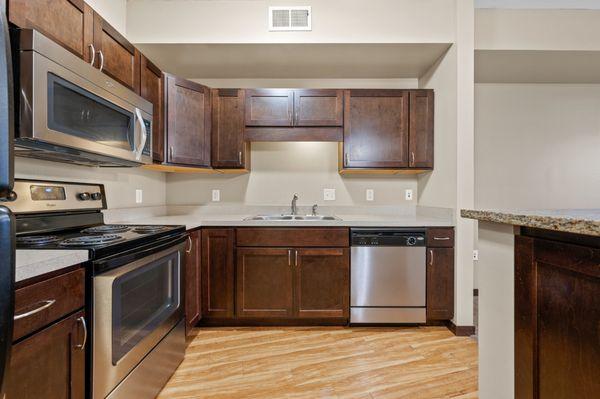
[388,276]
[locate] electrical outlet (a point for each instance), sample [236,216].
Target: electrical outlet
[138,196]
[475,254]
[329,194]
[370,194]
[408,194]
[216,195]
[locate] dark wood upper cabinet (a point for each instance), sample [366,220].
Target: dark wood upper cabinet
[151,88]
[193,260]
[217,279]
[269,107]
[440,283]
[318,107]
[264,282]
[228,147]
[70,23]
[322,282]
[376,129]
[188,122]
[420,141]
[116,56]
[49,364]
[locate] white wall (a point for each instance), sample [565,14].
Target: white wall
[114,11]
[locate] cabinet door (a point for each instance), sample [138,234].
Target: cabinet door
[50,364]
[269,107]
[420,139]
[264,282]
[151,88]
[322,282]
[188,122]
[318,107]
[217,273]
[228,147]
[440,283]
[376,129]
[115,56]
[67,22]
[193,306]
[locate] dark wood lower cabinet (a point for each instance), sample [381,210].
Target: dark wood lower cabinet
[557,317]
[440,283]
[217,272]
[49,364]
[322,282]
[264,282]
[193,305]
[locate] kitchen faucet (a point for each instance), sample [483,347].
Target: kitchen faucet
[294,207]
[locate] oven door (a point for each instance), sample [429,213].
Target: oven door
[134,307]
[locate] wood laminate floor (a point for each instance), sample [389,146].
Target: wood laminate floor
[326,362]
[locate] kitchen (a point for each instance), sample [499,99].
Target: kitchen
[274,201]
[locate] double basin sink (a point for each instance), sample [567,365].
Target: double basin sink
[287,218]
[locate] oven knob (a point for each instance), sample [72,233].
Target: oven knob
[96,196]
[83,196]
[411,241]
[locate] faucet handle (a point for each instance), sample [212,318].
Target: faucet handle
[295,196]
[314,209]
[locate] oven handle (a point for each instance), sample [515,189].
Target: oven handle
[143,134]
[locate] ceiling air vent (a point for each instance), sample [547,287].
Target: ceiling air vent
[289,18]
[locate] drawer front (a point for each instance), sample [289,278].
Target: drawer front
[293,237]
[440,238]
[43,303]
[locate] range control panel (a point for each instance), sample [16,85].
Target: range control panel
[387,237]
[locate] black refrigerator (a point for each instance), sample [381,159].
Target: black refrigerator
[7,222]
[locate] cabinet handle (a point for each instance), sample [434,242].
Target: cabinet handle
[296,257]
[431,257]
[240,157]
[85,333]
[412,159]
[189,250]
[46,305]
[171,151]
[289,257]
[101,54]
[441,238]
[347,158]
[93,51]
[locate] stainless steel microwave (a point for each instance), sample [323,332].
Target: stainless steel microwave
[69,111]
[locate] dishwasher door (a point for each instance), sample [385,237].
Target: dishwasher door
[388,284]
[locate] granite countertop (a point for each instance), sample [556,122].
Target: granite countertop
[577,221]
[35,262]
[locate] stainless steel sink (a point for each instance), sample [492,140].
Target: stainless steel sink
[291,218]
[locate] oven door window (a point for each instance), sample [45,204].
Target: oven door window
[142,300]
[77,112]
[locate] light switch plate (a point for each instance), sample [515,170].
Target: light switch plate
[329,194]
[370,193]
[408,194]
[139,196]
[216,195]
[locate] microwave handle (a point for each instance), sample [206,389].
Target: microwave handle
[140,148]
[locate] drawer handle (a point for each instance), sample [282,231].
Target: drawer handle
[431,257]
[85,333]
[46,305]
[441,238]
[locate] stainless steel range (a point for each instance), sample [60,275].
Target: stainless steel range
[134,302]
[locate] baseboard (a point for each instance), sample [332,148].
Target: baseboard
[460,331]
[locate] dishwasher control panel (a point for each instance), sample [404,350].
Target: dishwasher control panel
[387,237]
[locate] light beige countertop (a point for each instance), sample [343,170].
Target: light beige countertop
[35,262]
[577,221]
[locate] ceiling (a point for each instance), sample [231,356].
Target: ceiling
[295,60]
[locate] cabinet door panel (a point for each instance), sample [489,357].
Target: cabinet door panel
[228,147]
[376,128]
[188,122]
[322,283]
[440,283]
[217,273]
[193,306]
[119,59]
[264,282]
[49,364]
[269,107]
[318,107]
[67,22]
[421,129]
[151,88]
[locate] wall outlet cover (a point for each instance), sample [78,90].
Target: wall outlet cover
[216,195]
[370,193]
[139,196]
[408,194]
[329,194]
